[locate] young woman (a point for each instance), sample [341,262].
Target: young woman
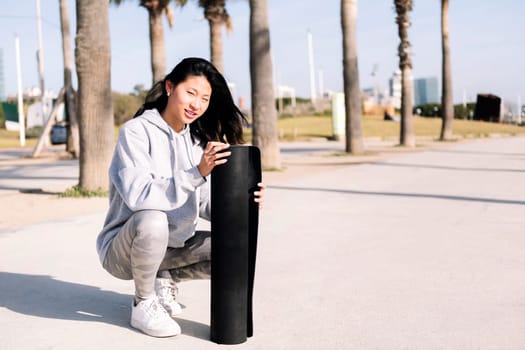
[159,188]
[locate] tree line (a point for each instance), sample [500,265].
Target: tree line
[91,111]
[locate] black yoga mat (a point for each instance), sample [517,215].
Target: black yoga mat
[234,224]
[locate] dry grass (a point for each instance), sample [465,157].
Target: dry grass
[307,127]
[11,139]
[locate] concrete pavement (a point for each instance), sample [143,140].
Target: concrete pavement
[416,250]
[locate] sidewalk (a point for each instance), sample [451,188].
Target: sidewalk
[393,250]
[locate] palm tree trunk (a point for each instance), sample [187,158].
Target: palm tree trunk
[264,113]
[403,8]
[407,130]
[157,48]
[446,93]
[73,144]
[95,109]
[216,44]
[354,133]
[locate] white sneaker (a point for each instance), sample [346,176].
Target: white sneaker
[151,318]
[167,290]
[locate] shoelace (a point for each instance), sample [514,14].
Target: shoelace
[169,292]
[155,309]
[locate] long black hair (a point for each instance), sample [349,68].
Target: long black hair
[222,121]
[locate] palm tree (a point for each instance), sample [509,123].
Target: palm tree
[155,10]
[446,93]
[403,7]
[95,109]
[264,113]
[217,16]
[354,133]
[73,145]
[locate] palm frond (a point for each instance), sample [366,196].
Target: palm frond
[169,16]
[181,3]
[228,23]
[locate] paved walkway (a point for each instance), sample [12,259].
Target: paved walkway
[417,250]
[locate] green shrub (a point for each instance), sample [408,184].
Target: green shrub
[2,118]
[125,106]
[434,110]
[77,192]
[428,110]
[34,132]
[288,101]
[464,112]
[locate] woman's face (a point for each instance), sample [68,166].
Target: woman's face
[187,101]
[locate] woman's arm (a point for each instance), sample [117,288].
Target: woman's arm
[137,180]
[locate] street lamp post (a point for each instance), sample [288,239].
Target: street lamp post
[312,69]
[21,116]
[40,56]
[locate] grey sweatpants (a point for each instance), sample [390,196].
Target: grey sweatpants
[140,251]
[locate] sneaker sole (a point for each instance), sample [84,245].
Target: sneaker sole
[175,313]
[155,332]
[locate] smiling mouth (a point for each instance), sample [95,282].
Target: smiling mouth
[190,114]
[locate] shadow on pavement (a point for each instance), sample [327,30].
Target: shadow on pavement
[8,176]
[456,151]
[194,329]
[28,190]
[401,194]
[44,296]
[444,167]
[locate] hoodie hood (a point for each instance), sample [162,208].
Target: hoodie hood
[153,116]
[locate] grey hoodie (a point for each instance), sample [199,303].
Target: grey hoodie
[154,167]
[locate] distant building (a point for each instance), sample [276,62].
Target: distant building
[2,78]
[394,89]
[426,91]
[376,96]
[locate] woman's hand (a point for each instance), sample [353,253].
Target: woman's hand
[213,155]
[259,195]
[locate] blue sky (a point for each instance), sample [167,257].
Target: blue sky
[487,44]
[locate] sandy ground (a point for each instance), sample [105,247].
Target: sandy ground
[19,209]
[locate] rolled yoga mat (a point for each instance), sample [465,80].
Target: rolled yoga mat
[234,225]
